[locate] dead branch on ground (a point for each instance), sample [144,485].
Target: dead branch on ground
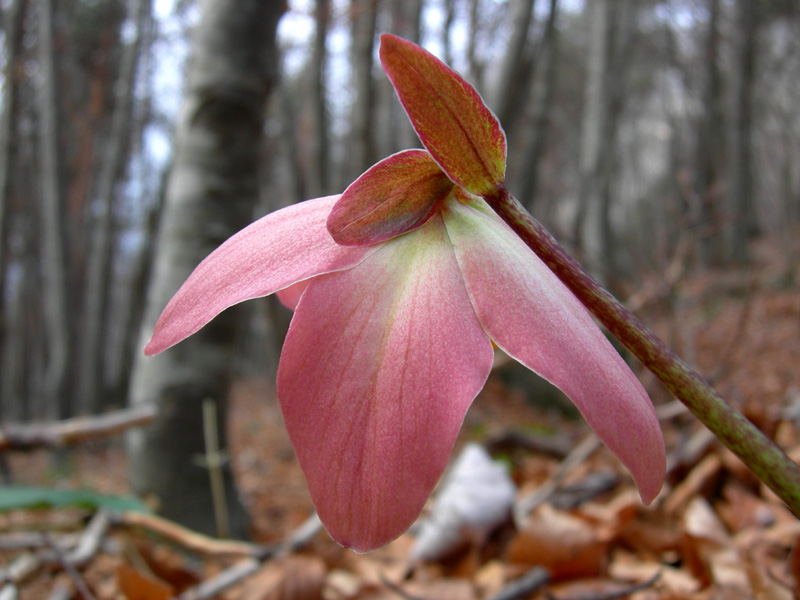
[20,436]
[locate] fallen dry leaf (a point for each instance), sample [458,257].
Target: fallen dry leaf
[700,480]
[703,536]
[672,582]
[565,545]
[134,585]
[298,577]
[491,578]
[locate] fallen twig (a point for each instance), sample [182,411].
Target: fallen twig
[611,595]
[524,506]
[244,568]
[25,540]
[398,589]
[61,591]
[184,537]
[90,540]
[524,586]
[20,569]
[554,446]
[69,568]
[71,431]
[9,592]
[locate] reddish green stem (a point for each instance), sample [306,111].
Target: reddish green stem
[755,449]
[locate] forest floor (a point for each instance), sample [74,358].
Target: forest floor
[714,532]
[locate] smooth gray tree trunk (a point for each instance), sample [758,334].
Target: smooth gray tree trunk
[92,363]
[516,68]
[543,104]
[608,54]
[319,177]
[363,14]
[53,244]
[13,17]
[211,192]
[589,226]
[710,156]
[745,225]
[407,23]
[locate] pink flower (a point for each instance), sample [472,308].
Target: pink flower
[400,286]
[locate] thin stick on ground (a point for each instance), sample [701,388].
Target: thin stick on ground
[240,571]
[73,431]
[75,577]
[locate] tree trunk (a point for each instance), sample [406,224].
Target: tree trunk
[211,191]
[407,23]
[534,150]
[319,178]
[449,19]
[289,121]
[516,68]
[609,51]
[92,364]
[589,227]
[13,18]
[53,247]
[745,223]
[710,146]
[363,14]
[475,66]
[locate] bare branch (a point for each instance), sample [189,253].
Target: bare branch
[69,568]
[72,431]
[188,539]
[211,588]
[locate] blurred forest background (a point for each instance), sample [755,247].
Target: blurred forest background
[645,134]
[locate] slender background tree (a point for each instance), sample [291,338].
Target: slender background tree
[211,193]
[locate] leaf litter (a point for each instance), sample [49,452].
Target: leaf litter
[714,532]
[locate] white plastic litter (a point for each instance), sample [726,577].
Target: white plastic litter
[474,499]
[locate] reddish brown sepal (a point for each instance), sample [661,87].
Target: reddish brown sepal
[396,195]
[450,117]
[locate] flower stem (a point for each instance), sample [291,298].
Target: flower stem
[754,448]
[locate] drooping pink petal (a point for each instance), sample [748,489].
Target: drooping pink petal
[284,247]
[290,296]
[394,196]
[533,317]
[449,116]
[378,369]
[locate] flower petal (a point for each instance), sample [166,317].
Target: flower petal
[393,197]
[449,116]
[290,296]
[533,317]
[378,369]
[284,247]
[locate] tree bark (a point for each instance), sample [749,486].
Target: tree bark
[589,228]
[534,150]
[608,54]
[13,18]
[406,22]
[475,65]
[363,14]
[516,67]
[449,19]
[745,223]
[710,146]
[53,246]
[211,192]
[92,364]
[319,179]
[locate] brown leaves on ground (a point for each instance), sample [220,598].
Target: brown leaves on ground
[715,532]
